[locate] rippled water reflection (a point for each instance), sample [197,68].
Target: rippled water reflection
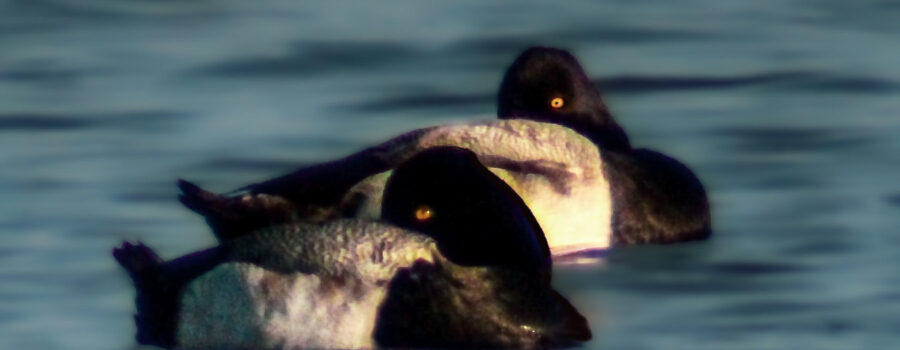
[786,109]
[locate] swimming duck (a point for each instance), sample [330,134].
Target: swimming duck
[457,260]
[555,144]
[656,198]
[557,172]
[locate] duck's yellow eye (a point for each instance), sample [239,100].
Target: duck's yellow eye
[424,213]
[557,102]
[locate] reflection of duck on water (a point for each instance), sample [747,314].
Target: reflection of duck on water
[458,260]
[588,188]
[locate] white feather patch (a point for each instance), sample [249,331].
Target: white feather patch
[568,195]
[242,306]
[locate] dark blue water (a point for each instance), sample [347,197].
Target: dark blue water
[787,110]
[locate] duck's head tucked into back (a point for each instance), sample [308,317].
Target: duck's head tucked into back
[557,146]
[547,84]
[494,288]
[435,193]
[458,260]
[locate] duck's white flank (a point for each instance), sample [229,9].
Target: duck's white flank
[322,288]
[242,306]
[557,172]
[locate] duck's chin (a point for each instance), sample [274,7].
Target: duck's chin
[241,306]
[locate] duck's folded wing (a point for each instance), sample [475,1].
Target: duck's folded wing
[326,183]
[233,216]
[322,192]
[309,194]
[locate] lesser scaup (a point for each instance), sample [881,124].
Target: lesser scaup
[458,260]
[588,188]
[656,199]
[556,171]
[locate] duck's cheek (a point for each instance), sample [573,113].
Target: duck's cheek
[243,306]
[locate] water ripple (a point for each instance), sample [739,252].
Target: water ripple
[635,84]
[12,30]
[508,45]
[310,58]
[788,80]
[420,101]
[893,199]
[58,121]
[105,10]
[43,75]
[792,138]
[30,76]
[754,268]
[765,307]
[41,122]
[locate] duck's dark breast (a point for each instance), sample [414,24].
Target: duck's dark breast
[657,199]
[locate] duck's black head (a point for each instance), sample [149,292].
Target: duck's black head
[548,85]
[501,295]
[476,218]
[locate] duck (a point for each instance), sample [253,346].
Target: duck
[656,198]
[455,260]
[556,171]
[554,142]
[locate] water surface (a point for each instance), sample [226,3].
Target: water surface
[787,110]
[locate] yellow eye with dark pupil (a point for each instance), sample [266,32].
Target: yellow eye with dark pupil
[424,213]
[557,102]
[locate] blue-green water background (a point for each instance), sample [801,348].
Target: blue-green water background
[787,110]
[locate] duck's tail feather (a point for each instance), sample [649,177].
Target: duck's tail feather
[199,200]
[573,328]
[232,216]
[155,299]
